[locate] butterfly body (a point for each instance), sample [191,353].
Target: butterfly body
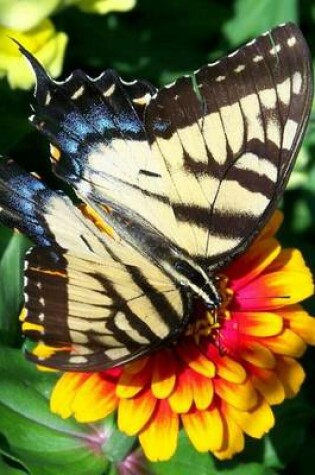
[177,181]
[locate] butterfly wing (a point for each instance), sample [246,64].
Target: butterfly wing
[93,298]
[229,137]
[205,161]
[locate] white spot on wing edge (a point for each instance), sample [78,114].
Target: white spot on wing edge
[289,133]
[276,49]
[239,68]
[297,82]
[78,359]
[78,93]
[109,91]
[291,41]
[234,53]
[257,58]
[47,98]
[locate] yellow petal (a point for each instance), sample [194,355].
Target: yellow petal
[242,396]
[230,370]
[233,439]
[130,384]
[191,354]
[164,374]
[253,262]
[291,374]
[258,355]
[182,397]
[288,343]
[94,400]
[259,324]
[255,423]
[203,391]
[24,15]
[134,413]
[159,438]
[43,41]
[269,385]
[300,322]
[204,429]
[105,6]
[64,393]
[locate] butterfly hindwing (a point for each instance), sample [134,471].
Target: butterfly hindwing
[94,296]
[97,314]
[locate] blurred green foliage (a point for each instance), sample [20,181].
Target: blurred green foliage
[158,41]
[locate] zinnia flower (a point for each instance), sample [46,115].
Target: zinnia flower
[222,377]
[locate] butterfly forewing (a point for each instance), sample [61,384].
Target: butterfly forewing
[229,146]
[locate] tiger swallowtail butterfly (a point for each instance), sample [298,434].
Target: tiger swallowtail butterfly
[178,180]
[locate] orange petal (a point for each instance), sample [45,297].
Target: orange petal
[278,287]
[64,392]
[182,397]
[271,227]
[252,263]
[164,374]
[230,370]
[269,385]
[204,429]
[130,383]
[257,354]
[259,324]
[94,400]
[134,413]
[233,441]
[242,396]
[288,344]
[255,423]
[203,391]
[291,374]
[159,438]
[300,322]
[196,360]
[136,366]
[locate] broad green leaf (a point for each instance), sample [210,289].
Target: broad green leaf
[43,442]
[117,445]
[6,469]
[253,18]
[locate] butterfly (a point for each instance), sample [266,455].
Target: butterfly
[175,183]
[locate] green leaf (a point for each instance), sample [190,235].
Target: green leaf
[42,441]
[118,445]
[253,18]
[12,250]
[6,469]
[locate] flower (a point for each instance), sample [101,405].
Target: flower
[105,6]
[222,377]
[23,15]
[42,41]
